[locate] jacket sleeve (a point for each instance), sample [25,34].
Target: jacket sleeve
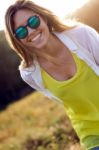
[87,37]
[28,79]
[92,38]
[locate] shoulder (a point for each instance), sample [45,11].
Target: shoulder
[87,37]
[82,30]
[22,65]
[25,72]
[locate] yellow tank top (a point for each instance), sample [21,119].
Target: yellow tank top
[80,95]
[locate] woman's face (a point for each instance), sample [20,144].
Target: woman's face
[38,37]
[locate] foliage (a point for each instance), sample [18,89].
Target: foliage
[36,123]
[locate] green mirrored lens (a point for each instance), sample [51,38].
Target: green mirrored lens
[34,22]
[21,32]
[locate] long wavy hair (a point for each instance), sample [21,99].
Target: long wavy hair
[53,22]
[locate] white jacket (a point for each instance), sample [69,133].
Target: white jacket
[82,40]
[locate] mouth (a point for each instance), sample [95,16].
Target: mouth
[35,37]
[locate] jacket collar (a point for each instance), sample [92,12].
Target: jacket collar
[63,36]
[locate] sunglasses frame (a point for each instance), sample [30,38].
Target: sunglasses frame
[25,26]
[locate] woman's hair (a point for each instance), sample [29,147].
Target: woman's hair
[53,22]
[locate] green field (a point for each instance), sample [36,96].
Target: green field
[36,123]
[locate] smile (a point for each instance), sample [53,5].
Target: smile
[36,37]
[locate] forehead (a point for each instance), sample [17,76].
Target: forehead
[21,16]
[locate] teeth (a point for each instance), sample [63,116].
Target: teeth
[35,38]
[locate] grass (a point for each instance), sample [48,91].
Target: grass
[36,123]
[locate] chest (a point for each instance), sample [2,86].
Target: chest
[64,71]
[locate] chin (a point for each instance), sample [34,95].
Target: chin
[41,45]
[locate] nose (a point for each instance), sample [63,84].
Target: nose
[30,30]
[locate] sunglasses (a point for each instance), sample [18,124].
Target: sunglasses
[22,31]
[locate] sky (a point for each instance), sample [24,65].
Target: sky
[59,7]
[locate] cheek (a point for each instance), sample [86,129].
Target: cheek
[47,33]
[23,41]
[43,24]
[45,28]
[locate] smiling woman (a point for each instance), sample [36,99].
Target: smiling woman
[67,6]
[60,61]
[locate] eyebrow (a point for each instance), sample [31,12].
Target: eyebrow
[25,24]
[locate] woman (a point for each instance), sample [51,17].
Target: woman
[60,61]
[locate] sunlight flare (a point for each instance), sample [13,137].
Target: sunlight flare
[63,7]
[60,8]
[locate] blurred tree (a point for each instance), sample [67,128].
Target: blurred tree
[11,85]
[88,14]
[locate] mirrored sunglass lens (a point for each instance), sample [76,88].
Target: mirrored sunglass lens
[21,32]
[34,22]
